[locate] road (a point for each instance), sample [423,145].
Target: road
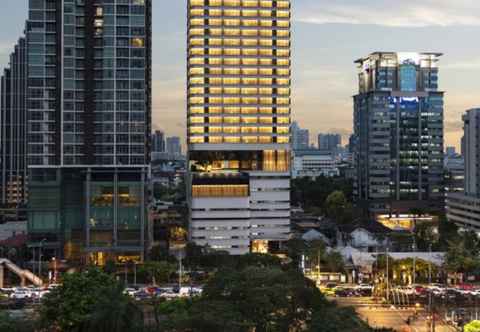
[393,318]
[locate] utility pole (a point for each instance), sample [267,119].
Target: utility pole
[40,258]
[388,285]
[180,273]
[414,248]
[430,298]
[318,262]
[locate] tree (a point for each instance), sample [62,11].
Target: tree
[8,324]
[448,231]
[338,208]
[329,318]
[473,326]
[157,272]
[85,300]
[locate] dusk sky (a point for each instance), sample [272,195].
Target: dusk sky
[328,35]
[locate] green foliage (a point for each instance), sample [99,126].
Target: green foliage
[160,253]
[110,267]
[462,255]
[157,272]
[448,231]
[312,194]
[473,326]
[261,299]
[204,258]
[8,324]
[89,301]
[333,319]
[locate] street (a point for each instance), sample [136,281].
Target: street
[389,317]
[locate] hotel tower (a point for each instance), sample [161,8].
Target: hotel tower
[239,124]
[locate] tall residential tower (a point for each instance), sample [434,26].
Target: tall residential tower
[89,127]
[398,133]
[239,123]
[13,134]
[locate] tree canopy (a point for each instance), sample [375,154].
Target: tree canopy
[90,301]
[260,298]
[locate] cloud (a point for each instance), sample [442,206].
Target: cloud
[390,13]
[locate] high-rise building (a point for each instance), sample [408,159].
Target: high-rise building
[300,137]
[238,123]
[464,209]
[174,147]
[329,142]
[398,130]
[158,141]
[13,134]
[451,151]
[89,127]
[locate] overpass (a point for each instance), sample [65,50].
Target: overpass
[24,275]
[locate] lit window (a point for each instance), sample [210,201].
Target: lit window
[249,110]
[231,130]
[196,119]
[197,130]
[231,140]
[249,139]
[214,130]
[137,42]
[249,130]
[196,140]
[215,139]
[231,110]
[249,120]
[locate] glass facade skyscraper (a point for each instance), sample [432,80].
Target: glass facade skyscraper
[398,132]
[13,134]
[239,123]
[89,124]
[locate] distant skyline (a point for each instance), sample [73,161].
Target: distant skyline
[328,35]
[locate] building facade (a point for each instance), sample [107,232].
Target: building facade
[300,137]
[314,163]
[398,133]
[89,127]
[13,134]
[174,146]
[158,141]
[329,142]
[464,208]
[239,124]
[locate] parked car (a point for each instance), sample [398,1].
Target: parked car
[20,294]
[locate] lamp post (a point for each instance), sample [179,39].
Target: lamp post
[414,249]
[40,258]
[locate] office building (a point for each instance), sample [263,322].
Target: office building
[314,163]
[300,137]
[158,141]
[89,127]
[464,209]
[329,142]
[398,133]
[13,134]
[451,151]
[174,147]
[454,174]
[238,124]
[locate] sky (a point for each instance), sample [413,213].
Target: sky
[327,36]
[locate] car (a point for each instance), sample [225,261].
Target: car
[345,292]
[20,295]
[328,289]
[130,291]
[406,290]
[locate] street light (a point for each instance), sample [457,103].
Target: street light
[40,258]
